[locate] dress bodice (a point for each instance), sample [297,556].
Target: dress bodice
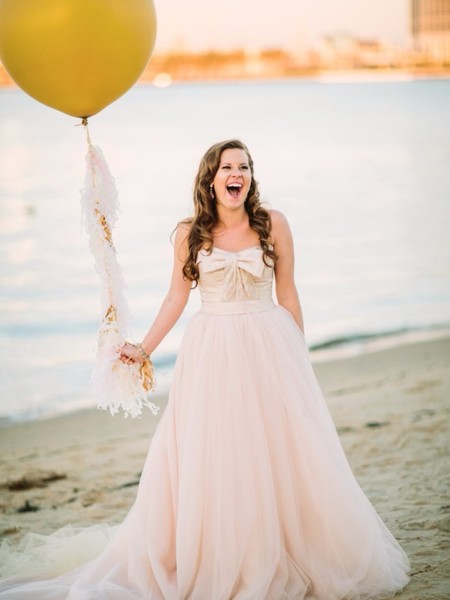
[234,282]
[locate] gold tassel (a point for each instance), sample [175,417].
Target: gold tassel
[105,226]
[147,375]
[111,314]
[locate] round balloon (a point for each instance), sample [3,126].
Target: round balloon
[77,56]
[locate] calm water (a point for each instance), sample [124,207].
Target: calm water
[360,169]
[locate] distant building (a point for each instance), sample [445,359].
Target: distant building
[430,22]
[336,51]
[345,51]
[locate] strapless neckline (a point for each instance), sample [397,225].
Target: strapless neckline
[236,251]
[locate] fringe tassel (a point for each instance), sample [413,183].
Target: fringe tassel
[116,385]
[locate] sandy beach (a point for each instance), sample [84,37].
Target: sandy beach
[391,408]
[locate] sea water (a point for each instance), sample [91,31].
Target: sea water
[361,170]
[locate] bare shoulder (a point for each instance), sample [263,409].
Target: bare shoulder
[182,230]
[280,225]
[184,226]
[180,240]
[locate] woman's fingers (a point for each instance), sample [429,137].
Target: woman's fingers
[124,357]
[126,360]
[128,354]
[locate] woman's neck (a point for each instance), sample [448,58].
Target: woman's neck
[231,219]
[234,232]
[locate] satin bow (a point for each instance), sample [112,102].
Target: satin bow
[249,260]
[235,284]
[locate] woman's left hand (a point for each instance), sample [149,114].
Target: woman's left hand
[129,354]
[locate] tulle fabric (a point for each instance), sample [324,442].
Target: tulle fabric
[246,493]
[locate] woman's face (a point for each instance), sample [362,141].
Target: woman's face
[233,178]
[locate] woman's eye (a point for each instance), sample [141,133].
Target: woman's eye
[244,167]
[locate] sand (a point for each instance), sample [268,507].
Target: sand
[391,408]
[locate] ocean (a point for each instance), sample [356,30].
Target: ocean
[360,169]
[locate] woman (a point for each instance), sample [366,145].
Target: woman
[246,492]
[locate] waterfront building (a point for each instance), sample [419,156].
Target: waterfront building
[430,24]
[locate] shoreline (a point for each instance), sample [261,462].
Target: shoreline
[327,352]
[325,76]
[390,407]
[367,343]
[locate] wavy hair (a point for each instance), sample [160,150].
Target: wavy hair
[206,217]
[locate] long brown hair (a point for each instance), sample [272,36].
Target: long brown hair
[206,217]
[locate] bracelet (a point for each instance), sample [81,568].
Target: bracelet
[144,354]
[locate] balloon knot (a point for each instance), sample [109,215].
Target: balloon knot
[84,121]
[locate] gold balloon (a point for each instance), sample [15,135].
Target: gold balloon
[77,56]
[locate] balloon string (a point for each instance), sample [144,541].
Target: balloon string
[84,122]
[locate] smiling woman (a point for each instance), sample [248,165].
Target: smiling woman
[246,491]
[233,178]
[251,221]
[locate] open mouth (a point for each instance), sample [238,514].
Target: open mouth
[234,189]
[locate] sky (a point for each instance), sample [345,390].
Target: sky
[253,24]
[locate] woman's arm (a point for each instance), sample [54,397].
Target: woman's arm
[285,289]
[171,307]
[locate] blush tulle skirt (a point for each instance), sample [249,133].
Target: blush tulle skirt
[246,493]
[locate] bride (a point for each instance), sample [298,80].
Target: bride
[246,493]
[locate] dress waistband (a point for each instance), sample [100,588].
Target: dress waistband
[237,308]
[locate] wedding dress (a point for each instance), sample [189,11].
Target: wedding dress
[246,493]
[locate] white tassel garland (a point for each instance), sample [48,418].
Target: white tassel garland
[116,385]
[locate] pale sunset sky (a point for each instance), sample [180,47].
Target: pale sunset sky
[253,24]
